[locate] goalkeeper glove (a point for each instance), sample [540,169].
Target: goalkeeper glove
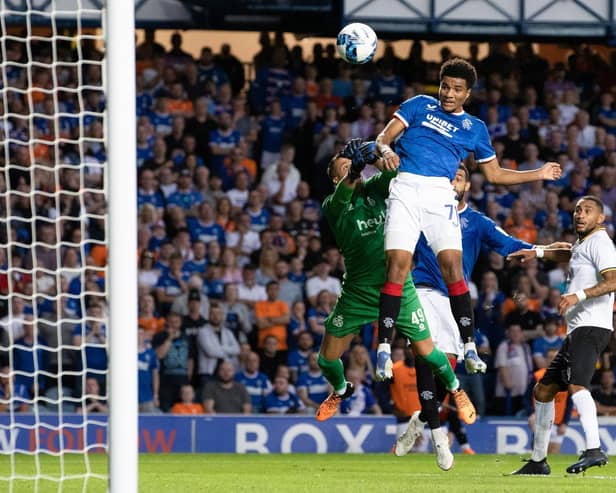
[369,152]
[353,151]
[351,148]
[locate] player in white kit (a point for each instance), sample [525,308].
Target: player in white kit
[587,306]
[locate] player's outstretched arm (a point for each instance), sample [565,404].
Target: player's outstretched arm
[502,176]
[559,254]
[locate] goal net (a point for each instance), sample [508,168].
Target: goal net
[56,312]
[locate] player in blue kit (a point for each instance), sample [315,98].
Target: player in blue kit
[478,231]
[432,136]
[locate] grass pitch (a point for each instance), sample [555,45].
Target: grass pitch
[331,473]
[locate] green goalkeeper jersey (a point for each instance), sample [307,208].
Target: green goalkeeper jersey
[357,218]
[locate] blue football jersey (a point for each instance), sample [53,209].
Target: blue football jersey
[478,231]
[257,385]
[316,386]
[435,141]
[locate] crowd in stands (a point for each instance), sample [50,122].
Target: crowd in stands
[237,270]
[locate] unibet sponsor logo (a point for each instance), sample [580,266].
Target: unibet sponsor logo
[369,226]
[442,126]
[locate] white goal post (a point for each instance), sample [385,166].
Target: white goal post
[121,131]
[68,246]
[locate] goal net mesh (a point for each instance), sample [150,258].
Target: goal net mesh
[53,251]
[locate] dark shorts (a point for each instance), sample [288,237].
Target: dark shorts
[576,361]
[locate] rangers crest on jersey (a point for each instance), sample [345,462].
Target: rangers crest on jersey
[467,124]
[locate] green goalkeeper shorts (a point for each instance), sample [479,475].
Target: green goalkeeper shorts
[357,307]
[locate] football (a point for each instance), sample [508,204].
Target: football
[356,43]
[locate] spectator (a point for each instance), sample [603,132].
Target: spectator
[514,363]
[259,214]
[221,141]
[13,397]
[272,317]
[232,67]
[270,357]
[148,192]
[149,379]
[94,334]
[321,281]
[187,404]
[238,195]
[298,358]
[267,260]
[249,291]
[148,319]
[547,342]
[568,106]
[31,359]
[236,314]
[318,314]
[198,263]
[273,127]
[12,326]
[294,104]
[256,382]
[312,387]
[225,395]
[176,57]
[147,274]
[93,399]
[605,394]
[359,359]
[297,323]
[586,137]
[281,400]
[290,292]
[216,343]
[180,304]
[513,142]
[176,363]
[244,241]
[185,196]
[519,225]
[529,320]
[171,283]
[362,401]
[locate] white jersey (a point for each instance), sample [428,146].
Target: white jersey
[590,258]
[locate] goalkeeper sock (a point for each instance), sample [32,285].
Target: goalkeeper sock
[461,308]
[544,417]
[389,309]
[587,409]
[333,371]
[442,369]
[426,389]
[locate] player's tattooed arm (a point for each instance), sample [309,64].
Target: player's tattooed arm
[605,286]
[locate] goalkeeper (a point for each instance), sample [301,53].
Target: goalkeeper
[356,213]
